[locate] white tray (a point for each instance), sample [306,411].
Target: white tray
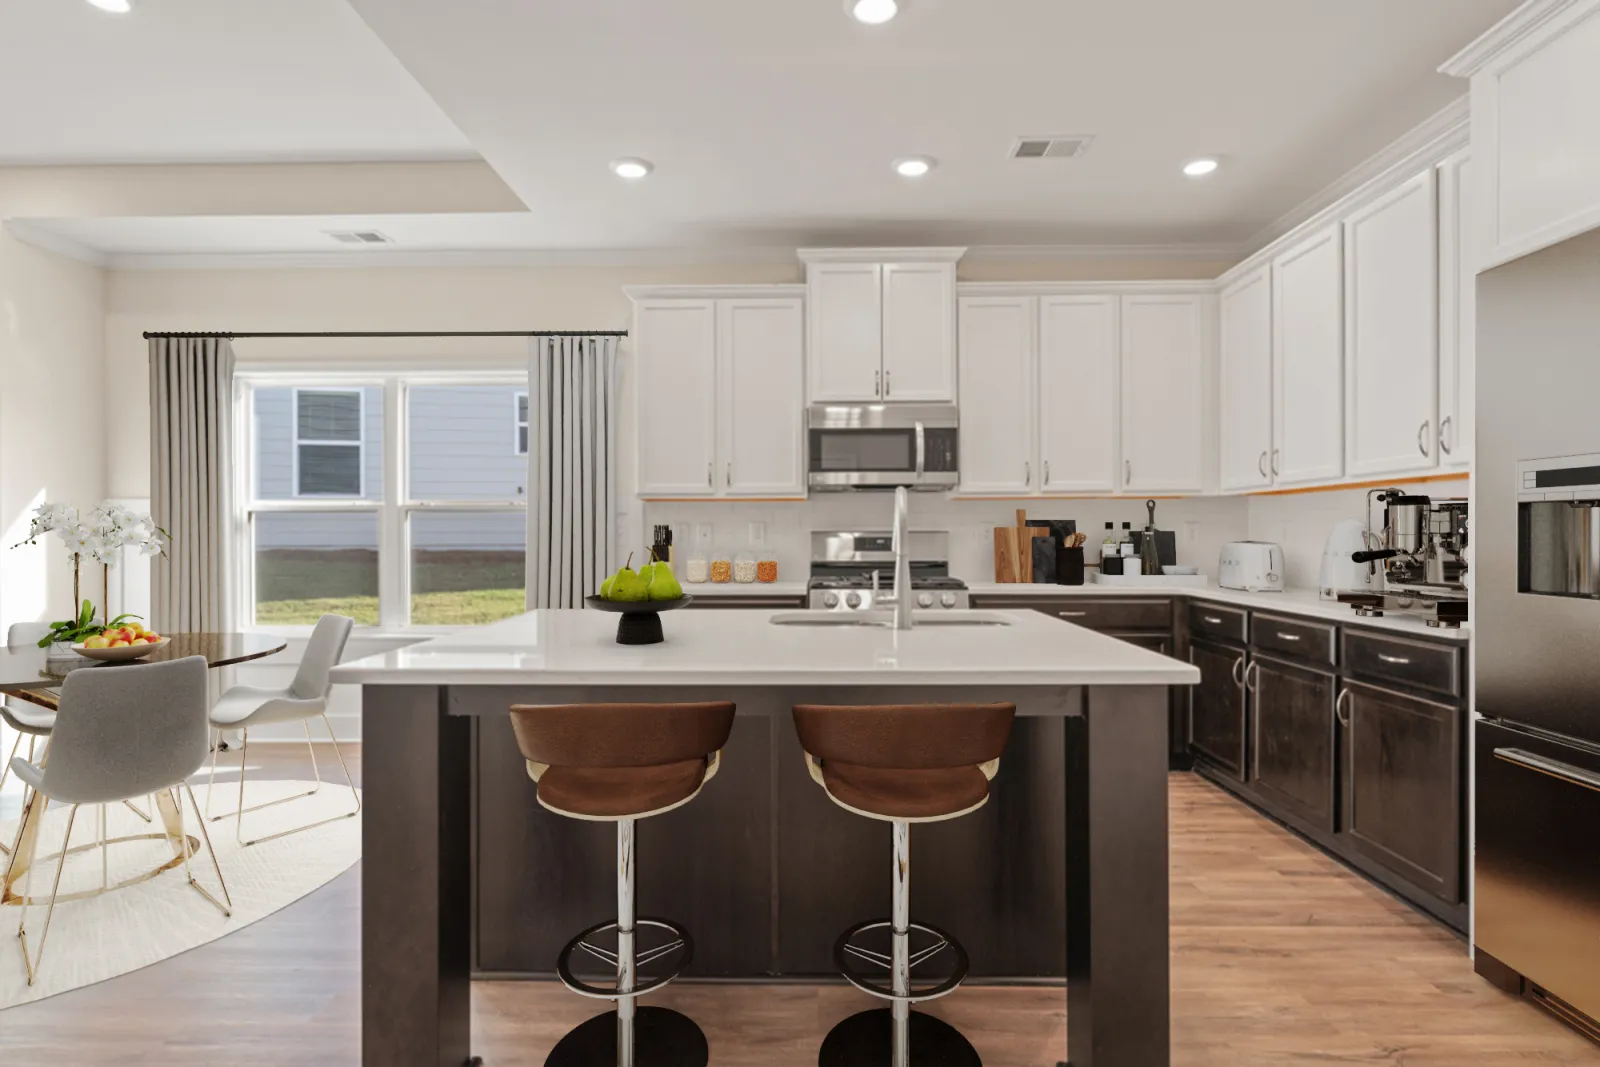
[1153,581]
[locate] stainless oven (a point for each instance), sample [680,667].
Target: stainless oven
[882,446]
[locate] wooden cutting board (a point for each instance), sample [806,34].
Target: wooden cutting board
[1013,550]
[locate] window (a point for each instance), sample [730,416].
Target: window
[327,445]
[393,500]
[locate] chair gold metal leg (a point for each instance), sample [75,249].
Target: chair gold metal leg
[226,904]
[4,849]
[29,961]
[216,746]
[137,810]
[328,725]
[349,779]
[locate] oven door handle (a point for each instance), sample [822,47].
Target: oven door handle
[922,450]
[1566,772]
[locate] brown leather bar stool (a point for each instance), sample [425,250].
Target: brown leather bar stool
[621,763]
[902,765]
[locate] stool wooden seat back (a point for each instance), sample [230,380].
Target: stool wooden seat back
[620,763]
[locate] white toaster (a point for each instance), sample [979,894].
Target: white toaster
[1256,566]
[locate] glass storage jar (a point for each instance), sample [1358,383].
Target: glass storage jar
[744,567]
[696,570]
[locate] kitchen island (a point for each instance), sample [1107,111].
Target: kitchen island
[461,865]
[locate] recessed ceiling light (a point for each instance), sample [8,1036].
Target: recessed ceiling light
[116,7]
[872,12]
[1199,168]
[632,169]
[913,166]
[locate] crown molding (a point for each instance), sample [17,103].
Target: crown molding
[367,258]
[1424,145]
[30,234]
[1506,34]
[774,291]
[1056,253]
[880,255]
[1095,288]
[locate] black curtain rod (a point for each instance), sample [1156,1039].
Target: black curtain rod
[405,333]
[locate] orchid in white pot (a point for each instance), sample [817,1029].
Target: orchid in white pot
[101,535]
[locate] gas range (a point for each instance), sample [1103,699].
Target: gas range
[851,570]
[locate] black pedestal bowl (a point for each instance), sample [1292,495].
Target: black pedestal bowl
[641,619]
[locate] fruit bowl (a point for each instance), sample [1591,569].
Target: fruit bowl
[121,653]
[641,619]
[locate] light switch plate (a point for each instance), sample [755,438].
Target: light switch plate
[1191,533]
[758,534]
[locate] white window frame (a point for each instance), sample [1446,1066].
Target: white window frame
[394,508]
[359,444]
[520,403]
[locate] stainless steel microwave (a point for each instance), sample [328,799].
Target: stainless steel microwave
[882,446]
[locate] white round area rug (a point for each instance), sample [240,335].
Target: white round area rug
[103,936]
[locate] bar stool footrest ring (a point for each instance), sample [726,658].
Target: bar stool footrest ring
[846,955]
[678,943]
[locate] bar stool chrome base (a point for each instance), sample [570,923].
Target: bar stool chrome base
[676,942]
[663,1038]
[866,1039]
[847,951]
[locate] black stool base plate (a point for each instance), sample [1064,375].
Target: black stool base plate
[643,628]
[661,1038]
[866,1039]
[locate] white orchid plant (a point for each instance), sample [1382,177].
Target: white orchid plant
[101,535]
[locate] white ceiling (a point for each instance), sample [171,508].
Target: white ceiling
[775,121]
[208,81]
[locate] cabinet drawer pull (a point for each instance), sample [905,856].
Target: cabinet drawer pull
[1340,712]
[1554,768]
[1287,637]
[1214,620]
[1072,614]
[1398,661]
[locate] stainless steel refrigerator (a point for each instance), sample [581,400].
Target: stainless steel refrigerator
[1536,581]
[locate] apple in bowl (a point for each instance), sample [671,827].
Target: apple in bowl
[120,644]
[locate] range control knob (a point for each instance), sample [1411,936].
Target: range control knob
[924,600]
[852,600]
[948,599]
[830,600]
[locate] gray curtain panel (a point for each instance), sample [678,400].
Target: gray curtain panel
[572,388]
[191,445]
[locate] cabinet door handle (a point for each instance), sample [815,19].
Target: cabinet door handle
[1340,711]
[1422,435]
[730,474]
[1238,668]
[1275,462]
[1253,685]
[877,383]
[1287,637]
[1046,474]
[1072,614]
[1127,472]
[1554,768]
[1261,465]
[1444,437]
[1214,620]
[1027,472]
[888,386]
[710,477]
[1398,661]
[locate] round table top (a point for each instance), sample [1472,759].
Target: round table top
[25,672]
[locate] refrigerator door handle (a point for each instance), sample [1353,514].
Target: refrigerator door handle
[1566,772]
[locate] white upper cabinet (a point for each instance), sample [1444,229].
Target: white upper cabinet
[1535,110]
[1077,400]
[719,391]
[1245,427]
[846,319]
[882,324]
[1163,393]
[760,377]
[997,394]
[919,315]
[1308,360]
[1458,284]
[675,346]
[1391,264]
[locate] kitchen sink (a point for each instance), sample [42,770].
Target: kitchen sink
[931,618]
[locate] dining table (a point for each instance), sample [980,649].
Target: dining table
[36,674]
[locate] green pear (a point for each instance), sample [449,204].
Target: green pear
[663,584]
[605,587]
[626,585]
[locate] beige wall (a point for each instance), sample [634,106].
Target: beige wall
[52,417]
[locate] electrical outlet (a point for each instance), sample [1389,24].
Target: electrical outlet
[1191,533]
[758,534]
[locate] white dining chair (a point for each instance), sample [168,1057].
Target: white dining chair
[304,699]
[123,732]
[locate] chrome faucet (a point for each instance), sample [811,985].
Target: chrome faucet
[902,600]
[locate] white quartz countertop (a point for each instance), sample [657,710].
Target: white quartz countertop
[578,647]
[711,589]
[1304,602]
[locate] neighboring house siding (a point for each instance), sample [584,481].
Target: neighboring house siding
[274,426]
[497,531]
[463,444]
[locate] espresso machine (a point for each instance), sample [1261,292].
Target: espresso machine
[1422,549]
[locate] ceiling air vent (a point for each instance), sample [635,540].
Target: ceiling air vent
[1050,147]
[360,237]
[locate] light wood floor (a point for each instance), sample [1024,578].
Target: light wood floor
[1281,958]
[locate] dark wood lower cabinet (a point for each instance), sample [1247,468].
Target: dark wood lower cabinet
[1293,739]
[1217,707]
[1402,784]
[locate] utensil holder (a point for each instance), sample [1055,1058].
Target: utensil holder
[1069,566]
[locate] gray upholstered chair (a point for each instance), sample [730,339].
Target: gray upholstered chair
[28,720]
[123,732]
[306,698]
